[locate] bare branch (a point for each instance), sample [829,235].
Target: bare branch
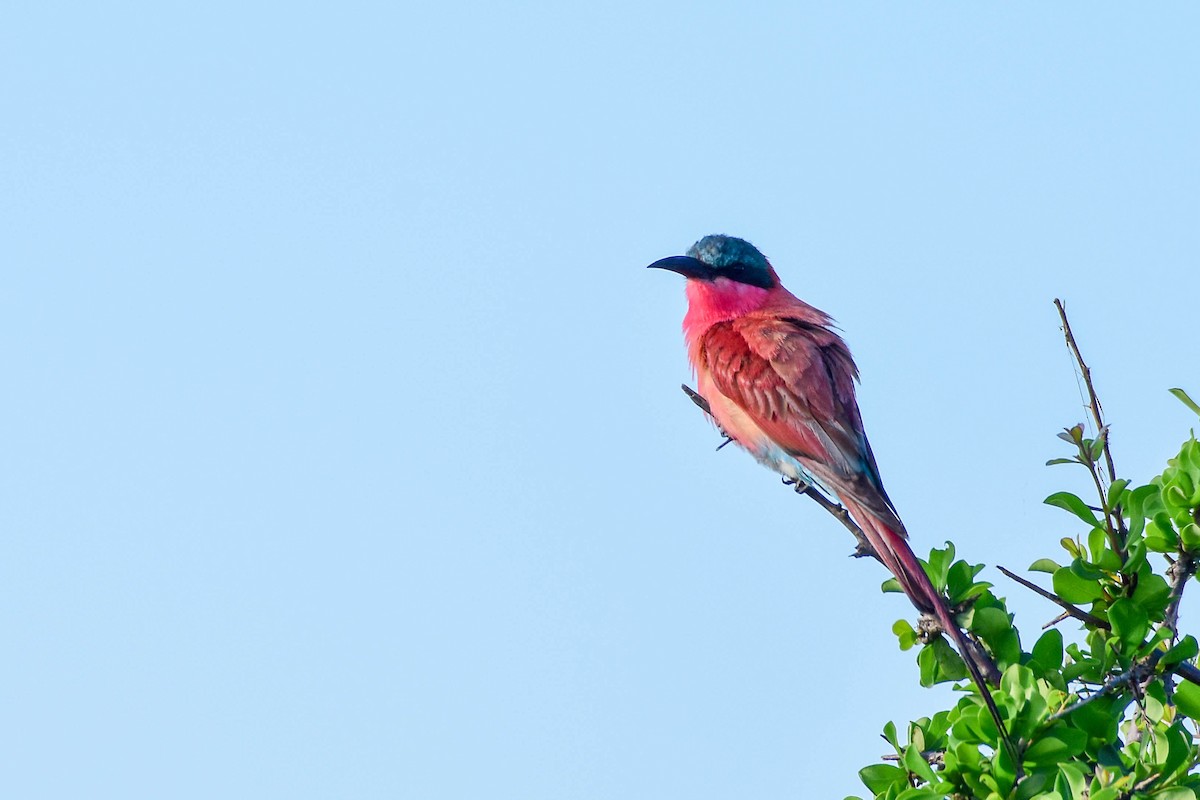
[1071,610]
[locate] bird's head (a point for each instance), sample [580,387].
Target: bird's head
[718,256]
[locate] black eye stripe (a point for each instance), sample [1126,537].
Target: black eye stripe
[750,274]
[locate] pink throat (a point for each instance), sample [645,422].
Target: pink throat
[710,302]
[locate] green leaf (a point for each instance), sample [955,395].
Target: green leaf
[1174,793]
[995,628]
[904,631]
[1186,650]
[890,736]
[961,583]
[916,735]
[1055,461]
[1152,593]
[950,666]
[1189,534]
[880,777]
[1135,504]
[1178,750]
[927,663]
[1160,535]
[1115,490]
[891,585]
[1038,795]
[1129,622]
[1108,561]
[1048,651]
[1073,434]
[1070,502]
[990,623]
[938,565]
[1190,456]
[969,725]
[1187,401]
[1179,489]
[1074,589]
[921,793]
[1098,545]
[1099,718]
[1004,771]
[1055,748]
[1136,556]
[1044,565]
[915,763]
[967,755]
[1187,699]
[1071,782]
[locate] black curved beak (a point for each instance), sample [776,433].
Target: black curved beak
[686,266]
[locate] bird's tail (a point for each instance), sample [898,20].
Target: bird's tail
[898,557]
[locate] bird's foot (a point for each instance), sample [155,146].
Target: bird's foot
[799,485]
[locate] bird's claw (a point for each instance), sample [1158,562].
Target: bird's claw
[798,484]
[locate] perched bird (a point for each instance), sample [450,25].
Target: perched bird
[780,382]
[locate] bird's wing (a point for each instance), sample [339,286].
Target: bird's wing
[795,379]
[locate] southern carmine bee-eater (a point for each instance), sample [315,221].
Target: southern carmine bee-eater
[780,383]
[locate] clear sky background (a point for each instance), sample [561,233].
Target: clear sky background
[343,449]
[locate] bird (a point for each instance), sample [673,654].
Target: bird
[780,382]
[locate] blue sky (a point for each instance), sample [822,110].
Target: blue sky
[344,454]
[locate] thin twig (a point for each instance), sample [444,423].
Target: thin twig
[1094,402]
[1072,610]
[1114,521]
[1056,620]
[935,758]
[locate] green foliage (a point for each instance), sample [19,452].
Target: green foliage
[1110,716]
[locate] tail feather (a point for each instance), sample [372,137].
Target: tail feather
[900,560]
